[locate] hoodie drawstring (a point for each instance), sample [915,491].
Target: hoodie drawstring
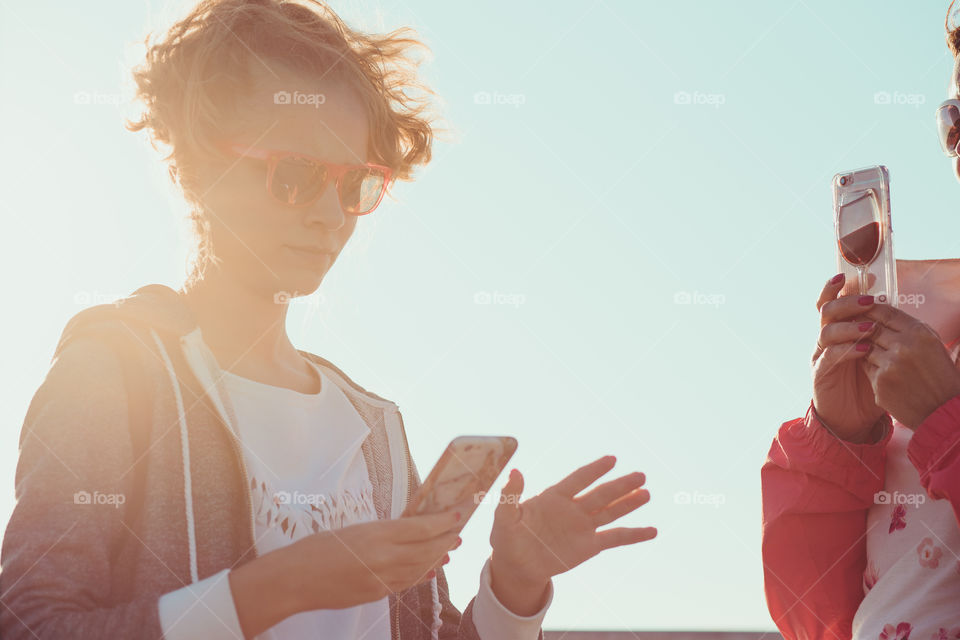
[185,453]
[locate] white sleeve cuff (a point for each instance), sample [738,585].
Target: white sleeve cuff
[204,609]
[495,622]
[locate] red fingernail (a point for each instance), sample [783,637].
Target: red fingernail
[458,515]
[863,346]
[836,279]
[459,542]
[431,574]
[865,300]
[446,558]
[865,326]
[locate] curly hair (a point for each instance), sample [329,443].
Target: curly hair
[193,78]
[953,32]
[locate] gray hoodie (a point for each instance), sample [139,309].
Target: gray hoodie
[73,568]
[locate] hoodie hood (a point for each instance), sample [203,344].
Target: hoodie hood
[155,306]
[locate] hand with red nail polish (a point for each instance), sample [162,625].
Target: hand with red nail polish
[909,369]
[843,399]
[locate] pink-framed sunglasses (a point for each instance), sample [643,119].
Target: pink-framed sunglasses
[298,180]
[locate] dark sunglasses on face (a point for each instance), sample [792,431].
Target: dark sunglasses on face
[948,126]
[298,180]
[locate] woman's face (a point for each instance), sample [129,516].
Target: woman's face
[251,232]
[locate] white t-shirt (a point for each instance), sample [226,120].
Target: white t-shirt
[912,579]
[306,473]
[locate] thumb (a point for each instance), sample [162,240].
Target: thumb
[509,507]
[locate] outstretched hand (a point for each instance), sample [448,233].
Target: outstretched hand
[556,530]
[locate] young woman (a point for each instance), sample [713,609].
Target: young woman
[861,496]
[159,456]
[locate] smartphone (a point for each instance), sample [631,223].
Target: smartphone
[463,475]
[864,233]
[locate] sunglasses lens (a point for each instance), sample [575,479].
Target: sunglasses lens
[297,180]
[948,128]
[360,190]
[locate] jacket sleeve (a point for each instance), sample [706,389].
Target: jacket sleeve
[816,491]
[74,450]
[934,450]
[484,617]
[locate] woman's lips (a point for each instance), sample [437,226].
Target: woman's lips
[310,255]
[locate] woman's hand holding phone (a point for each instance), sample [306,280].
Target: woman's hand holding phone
[842,394]
[341,568]
[365,562]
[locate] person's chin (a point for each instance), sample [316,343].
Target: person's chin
[302,281]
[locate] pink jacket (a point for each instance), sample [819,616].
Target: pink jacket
[816,493]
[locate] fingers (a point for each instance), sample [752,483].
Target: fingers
[830,290]
[509,507]
[845,308]
[890,317]
[412,529]
[837,333]
[844,352]
[621,536]
[630,502]
[584,476]
[601,496]
[429,551]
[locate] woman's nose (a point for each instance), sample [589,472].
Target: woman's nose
[326,210]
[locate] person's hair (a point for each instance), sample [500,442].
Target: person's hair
[953,32]
[194,79]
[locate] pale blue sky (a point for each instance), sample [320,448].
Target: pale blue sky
[633,155]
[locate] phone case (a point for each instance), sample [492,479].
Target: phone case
[857,193]
[465,472]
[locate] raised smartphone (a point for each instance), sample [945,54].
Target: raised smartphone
[463,475]
[864,233]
